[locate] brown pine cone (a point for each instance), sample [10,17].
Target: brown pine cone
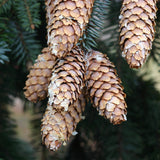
[66,21]
[39,77]
[58,126]
[104,87]
[67,79]
[137,28]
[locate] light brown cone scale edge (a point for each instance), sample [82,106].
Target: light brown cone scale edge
[137,29]
[67,79]
[36,86]
[58,126]
[104,87]
[66,21]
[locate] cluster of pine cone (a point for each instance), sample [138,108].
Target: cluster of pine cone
[68,75]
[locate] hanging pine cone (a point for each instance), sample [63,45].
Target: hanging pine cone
[104,88]
[66,20]
[39,76]
[67,79]
[58,126]
[137,23]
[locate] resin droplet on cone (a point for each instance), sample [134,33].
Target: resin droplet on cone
[66,21]
[58,126]
[137,23]
[39,77]
[67,80]
[104,87]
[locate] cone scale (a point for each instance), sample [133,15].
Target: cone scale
[39,77]
[104,88]
[58,126]
[137,29]
[67,80]
[66,21]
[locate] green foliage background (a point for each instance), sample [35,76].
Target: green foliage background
[23,35]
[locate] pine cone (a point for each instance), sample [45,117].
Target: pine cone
[67,80]
[39,76]
[66,20]
[104,88]
[137,23]
[58,126]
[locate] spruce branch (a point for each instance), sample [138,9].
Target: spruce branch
[96,24]
[155,52]
[5,5]
[4,40]
[3,49]
[25,47]
[10,147]
[28,13]
[5,30]
[110,34]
